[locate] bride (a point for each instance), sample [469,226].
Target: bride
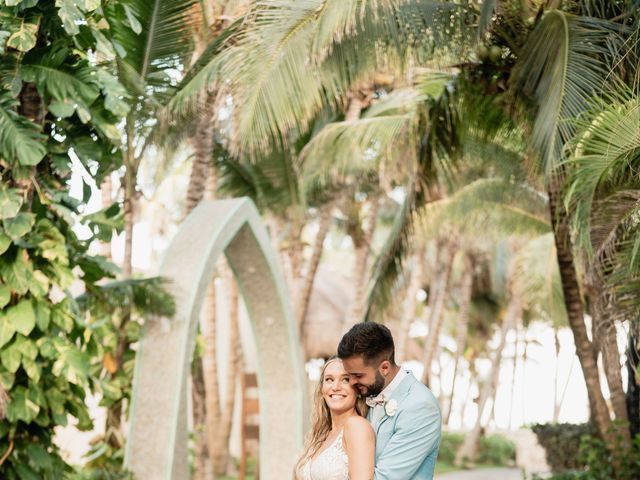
[341,443]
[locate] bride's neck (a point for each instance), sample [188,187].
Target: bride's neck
[338,419]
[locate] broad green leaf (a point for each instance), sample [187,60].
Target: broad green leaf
[10,202]
[5,295]
[33,369]
[19,225]
[24,39]
[46,347]
[39,456]
[4,243]
[25,472]
[27,347]
[70,15]
[39,287]
[10,358]
[6,330]
[56,400]
[6,380]
[17,275]
[22,317]
[43,315]
[62,109]
[4,35]
[73,364]
[20,139]
[61,318]
[91,5]
[21,407]
[133,21]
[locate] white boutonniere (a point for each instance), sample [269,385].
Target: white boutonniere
[390,407]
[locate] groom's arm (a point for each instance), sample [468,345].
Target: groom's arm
[418,430]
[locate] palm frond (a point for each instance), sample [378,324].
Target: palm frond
[205,72]
[151,38]
[562,66]
[536,278]
[607,152]
[291,60]
[388,267]
[495,206]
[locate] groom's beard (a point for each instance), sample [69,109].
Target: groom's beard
[377,387]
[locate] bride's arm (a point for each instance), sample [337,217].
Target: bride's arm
[360,445]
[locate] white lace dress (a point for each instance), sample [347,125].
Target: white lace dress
[331,464]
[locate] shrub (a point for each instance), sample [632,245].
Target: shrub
[561,442]
[496,450]
[449,445]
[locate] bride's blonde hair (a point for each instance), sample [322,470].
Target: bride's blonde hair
[321,421]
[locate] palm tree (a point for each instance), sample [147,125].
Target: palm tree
[151,39]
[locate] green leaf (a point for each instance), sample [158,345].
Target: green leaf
[39,287]
[20,139]
[43,315]
[33,369]
[39,456]
[27,347]
[17,274]
[133,21]
[22,317]
[5,295]
[6,330]
[62,318]
[24,39]
[4,243]
[73,364]
[10,202]
[19,225]
[56,400]
[62,109]
[10,358]
[70,15]
[25,472]
[6,380]
[46,347]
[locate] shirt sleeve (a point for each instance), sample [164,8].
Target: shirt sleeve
[418,431]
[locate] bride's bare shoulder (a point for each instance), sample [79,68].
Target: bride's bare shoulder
[357,426]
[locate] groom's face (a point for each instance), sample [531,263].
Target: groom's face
[369,380]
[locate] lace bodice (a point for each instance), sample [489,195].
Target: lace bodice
[331,464]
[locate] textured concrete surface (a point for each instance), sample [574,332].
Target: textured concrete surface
[483,474]
[157,441]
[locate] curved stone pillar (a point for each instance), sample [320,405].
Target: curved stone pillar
[158,435]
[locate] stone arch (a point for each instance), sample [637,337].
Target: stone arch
[158,434]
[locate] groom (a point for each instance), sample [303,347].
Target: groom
[403,412]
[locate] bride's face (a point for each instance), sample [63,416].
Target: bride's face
[336,390]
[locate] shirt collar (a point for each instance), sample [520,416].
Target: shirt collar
[388,390]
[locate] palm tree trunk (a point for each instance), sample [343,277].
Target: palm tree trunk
[220,454]
[613,370]
[316,254]
[633,384]
[462,326]
[410,303]
[556,400]
[575,314]
[438,294]
[209,363]
[203,146]
[362,255]
[469,449]
[106,190]
[513,375]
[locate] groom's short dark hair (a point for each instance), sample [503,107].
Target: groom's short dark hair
[371,340]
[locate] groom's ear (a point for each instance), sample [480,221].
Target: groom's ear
[385,366]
